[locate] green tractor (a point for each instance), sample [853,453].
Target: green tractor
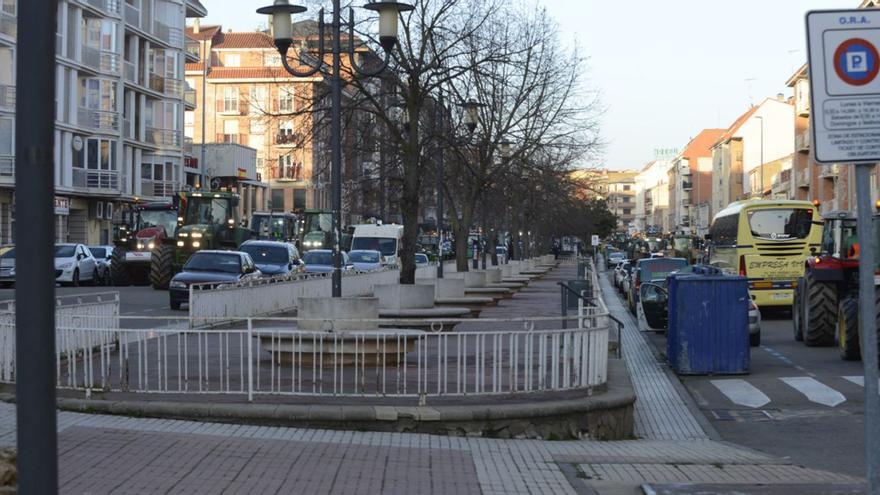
[317,230]
[209,221]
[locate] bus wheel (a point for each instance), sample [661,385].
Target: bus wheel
[819,308]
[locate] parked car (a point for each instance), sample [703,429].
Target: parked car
[422,259]
[74,264]
[615,258]
[273,258]
[653,311]
[619,272]
[365,260]
[7,266]
[626,277]
[321,261]
[210,266]
[102,256]
[651,270]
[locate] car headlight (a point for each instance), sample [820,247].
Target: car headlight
[176,284]
[12,271]
[65,266]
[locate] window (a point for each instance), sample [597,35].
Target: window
[781,224]
[724,230]
[230,99]
[272,60]
[258,97]
[257,126]
[626,187]
[286,128]
[6,142]
[256,141]
[97,154]
[98,94]
[277,199]
[299,199]
[230,127]
[189,119]
[232,60]
[285,100]
[99,34]
[627,211]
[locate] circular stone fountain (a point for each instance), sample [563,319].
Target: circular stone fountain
[415,304]
[450,292]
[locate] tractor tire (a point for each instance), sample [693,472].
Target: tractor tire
[819,307]
[848,329]
[161,270]
[119,275]
[797,312]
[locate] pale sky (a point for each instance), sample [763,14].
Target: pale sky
[664,69]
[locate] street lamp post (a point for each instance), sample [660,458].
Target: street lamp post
[469,119]
[282,26]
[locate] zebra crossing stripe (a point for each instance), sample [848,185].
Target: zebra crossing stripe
[741,392]
[858,380]
[815,390]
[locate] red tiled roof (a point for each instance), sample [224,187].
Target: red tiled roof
[249,73]
[197,66]
[244,40]
[205,32]
[736,125]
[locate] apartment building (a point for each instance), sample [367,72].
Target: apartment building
[620,195]
[690,184]
[252,100]
[652,197]
[119,110]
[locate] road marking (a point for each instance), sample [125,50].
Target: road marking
[741,392]
[858,380]
[815,390]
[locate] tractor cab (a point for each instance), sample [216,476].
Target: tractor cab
[274,226]
[143,226]
[317,230]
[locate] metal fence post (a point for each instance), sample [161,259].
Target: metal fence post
[250,359]
[868,324]
[564,306]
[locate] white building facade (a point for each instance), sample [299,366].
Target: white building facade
[119,110]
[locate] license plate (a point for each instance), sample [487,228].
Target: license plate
[137,256]
[780,297]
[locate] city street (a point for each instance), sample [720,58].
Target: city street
[800,403]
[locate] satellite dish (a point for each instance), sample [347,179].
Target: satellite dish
[215,183]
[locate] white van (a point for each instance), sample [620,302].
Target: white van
[383,238]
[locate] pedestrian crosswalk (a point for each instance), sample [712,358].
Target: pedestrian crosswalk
[745,393]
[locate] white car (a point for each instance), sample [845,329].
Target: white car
[103,255]
[74,263]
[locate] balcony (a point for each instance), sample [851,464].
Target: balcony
[171,35]
[8,24]
[187,146]
[289,172]
[192,50]
[132,16]
[782,183]
[829,171]
[157,188]
[7,97]
[803,107]
[7,168]
[100,60]
[228,138]
[164,137]
[189,97]
[110,6]
[96,179]
[131,74]
[687,185]
[284,139]
[98,120]
[127,129]
[803,178]
[802,141]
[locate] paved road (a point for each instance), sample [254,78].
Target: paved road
[797,402]
[140,307]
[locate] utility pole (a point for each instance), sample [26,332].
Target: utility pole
[37,437]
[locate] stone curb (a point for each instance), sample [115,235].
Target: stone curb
[553,418]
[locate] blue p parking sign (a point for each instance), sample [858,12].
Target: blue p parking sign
[856,61]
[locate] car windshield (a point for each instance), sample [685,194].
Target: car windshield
[781,223]
[167,219]
[363,257]
[658,269]
[615,255]
[213,262]
[318,258]
[98,252]
[385,245]
[421,258]
[64,251]
[275,255]
[9,255]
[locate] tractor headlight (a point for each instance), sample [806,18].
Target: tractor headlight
[180,243]
[184,234]
[196,244]
[151,245]
[196,235]
[140,245]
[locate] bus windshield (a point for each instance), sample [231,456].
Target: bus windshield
[781,224]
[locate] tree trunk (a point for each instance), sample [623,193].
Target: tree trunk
[461,245]
[493,243]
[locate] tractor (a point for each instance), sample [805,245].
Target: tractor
[209,221]
[274,226]
[687,246]
[144,226]
[317,230]
[826,299]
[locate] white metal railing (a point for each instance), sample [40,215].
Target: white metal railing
[96,179]
[8,24]
[255,360]
[101,60]
[158,188]
[111,6]
[95,313]
[7,96]
[98,119]
[164,137]
[7,166]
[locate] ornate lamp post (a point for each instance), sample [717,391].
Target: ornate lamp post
[282,26]
[469,119]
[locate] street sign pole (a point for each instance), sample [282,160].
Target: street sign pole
[844,64]
[868,323]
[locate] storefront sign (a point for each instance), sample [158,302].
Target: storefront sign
[62,206]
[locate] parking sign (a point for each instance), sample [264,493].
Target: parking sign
[594,240]
[844,63]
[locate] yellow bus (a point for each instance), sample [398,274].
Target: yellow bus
[767,241]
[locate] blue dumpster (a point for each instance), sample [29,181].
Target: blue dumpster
[708,324]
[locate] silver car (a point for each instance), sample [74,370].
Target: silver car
[103,255]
